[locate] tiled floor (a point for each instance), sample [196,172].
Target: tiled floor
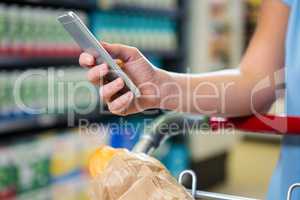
[250,168]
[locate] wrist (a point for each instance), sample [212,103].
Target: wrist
[169,91]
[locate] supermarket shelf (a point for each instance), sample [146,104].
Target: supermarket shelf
[31,124]
[10,129]
[91,5]
[13,63]
[68,4]
[9,126]
[172,13]
[170,55]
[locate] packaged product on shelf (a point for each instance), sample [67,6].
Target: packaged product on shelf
[64,159]
[60,157]
[125,132]
[32,31]
[147,32]
[7,103]
[2,28]
[80,93]
[28,31]
[30,94]
[90,141]
[151,4]
[3,97]
[13,29]
[75,188]
[32,162]
[8,175]
[37,94]
[69,160]
[38,194]
[56,157]
[71,150]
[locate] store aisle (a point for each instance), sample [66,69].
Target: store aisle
[250,168]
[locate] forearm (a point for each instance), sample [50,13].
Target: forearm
[242,91]
[225,93]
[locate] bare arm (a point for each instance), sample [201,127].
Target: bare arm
[225,93]
[234,92]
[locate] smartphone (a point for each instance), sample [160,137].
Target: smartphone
[88,43]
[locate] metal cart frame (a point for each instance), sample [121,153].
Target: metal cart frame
[156,135]
[217,196]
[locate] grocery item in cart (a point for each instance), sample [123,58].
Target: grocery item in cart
[122,175]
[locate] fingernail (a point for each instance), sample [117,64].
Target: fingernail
[89,60]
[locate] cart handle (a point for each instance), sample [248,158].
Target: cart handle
[270,124]
[263,124]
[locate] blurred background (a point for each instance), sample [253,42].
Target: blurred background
[43,155]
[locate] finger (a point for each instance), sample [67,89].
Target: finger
[120,105]
[125,53]
[86,60]
[96,73]
[110,89]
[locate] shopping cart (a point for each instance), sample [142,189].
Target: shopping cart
[159,131]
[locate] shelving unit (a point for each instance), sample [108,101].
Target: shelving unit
[89,5]
[175,14]
[39,123]
[17,126]
[23,63]
[68,4]
[220,42]
[48,151]
[173,60]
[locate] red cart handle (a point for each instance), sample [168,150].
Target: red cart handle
[271,124]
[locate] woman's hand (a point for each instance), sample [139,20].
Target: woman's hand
[140,71]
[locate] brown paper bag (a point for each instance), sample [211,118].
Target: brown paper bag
[130,176]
